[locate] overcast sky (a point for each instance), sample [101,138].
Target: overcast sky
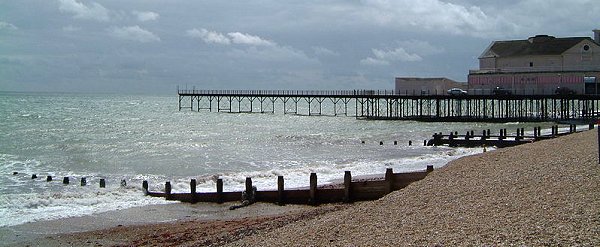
[151,46]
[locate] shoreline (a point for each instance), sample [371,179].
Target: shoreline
[542,193]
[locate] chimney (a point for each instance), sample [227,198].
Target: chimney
[597,35]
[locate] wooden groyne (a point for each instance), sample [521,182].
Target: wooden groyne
[500,140]
[350,191]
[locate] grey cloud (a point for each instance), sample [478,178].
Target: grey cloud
[145,15]
[94,11]
[231,38]
[7,26]
[135,33]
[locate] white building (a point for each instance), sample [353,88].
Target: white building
[539,65]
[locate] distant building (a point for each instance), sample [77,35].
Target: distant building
[539,65]
[425,86]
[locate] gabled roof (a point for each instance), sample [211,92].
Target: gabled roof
[538,45]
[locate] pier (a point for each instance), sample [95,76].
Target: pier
[391,105]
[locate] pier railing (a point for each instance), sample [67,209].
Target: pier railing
[359,92]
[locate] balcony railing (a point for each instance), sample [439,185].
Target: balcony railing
[537,69]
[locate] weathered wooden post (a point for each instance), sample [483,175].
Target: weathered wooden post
[280,191]
[347,187]
[102,183]
[248,186]
[489,133]
[66,180]
[389,178]
[313,189]
[168,188]
[220,190]
[193,190]
[424,142]
[145,187]
[535,132]
[83,181]
[522,132]
[429,168]
[48,178]
[381,143]
[591,126]
[33,176]
[395,143]
[410,143]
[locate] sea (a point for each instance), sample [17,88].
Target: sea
[133,138]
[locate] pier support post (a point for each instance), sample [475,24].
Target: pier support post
[145,187]
[66,180]
[220,190]
[193,190]
[313,189]
[33,176]
[280,191]
[347,187]
[389,178]
[102,183]
[48,178]
[83,181]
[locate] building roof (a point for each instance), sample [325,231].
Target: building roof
[538,45]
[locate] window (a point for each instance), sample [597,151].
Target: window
[586,47]
[589,79]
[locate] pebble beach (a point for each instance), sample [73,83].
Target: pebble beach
[545,193]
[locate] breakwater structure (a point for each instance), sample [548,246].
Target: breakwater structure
[350,191]
[501,139]
[392,105]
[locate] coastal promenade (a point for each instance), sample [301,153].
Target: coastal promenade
[392,105]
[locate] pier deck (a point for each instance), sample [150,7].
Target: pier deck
[389,105]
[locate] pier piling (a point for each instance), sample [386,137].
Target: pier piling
[102,183]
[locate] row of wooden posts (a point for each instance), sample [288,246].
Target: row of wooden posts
[351,191]
[410,143]
[83,180]
[500,140]
[520,134]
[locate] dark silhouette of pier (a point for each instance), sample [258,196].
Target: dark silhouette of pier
[391,105]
